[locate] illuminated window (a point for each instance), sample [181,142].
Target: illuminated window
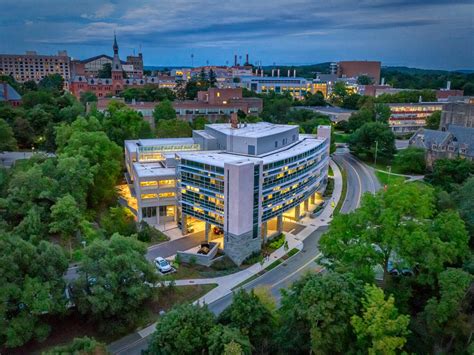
[166,194]
[148,183]
[148,196]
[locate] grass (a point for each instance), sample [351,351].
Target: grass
[65,329]
[292,252]
[343,191]
[276,243]
[387,179]
[341,137]
[195,271]
[273,265]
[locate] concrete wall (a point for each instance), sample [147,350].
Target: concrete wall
[239,241]
[200,259]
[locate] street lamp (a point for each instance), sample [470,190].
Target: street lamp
[375,156]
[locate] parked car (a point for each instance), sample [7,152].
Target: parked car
[162,265]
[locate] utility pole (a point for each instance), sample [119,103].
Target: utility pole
[375,156]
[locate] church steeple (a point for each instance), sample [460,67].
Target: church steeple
[115,46]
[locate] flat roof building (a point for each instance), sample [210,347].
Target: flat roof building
[240,179]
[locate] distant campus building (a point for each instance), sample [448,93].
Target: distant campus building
[33,66]
[455,137]
[109,86]
[239,178]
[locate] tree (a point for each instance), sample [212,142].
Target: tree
[401,226]
[212,78]
[88,96]
[365,80]
[122,123]
[105,159]
[363,141]
[106,71]
[316,312]
[359,118]
[448,173]
[80,346]
[173,129]
[448,316]
[65,218]
[464,201]
[339,92]
[164,111]
[314,100]
[199,122]
[24,134]
[32,286]
[411,160]
[119,220]
[7,140]
[382,113]
[433,120]
[351,101]
[52,82]
[114,280]
[221,336]
[183,330]
[380,329]
[248,314]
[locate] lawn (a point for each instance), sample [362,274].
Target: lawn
[343,191]
[65,329]
[388,179]
[341,137]
[194,271]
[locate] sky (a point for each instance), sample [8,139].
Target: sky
[437,34]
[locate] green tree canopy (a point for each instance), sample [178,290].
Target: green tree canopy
[79,346]
[114,280]
[106,71]
[88,96]
[315,314]
[183,330]
[359,118]
[449,173]
[399,225]
[52,82]
[7,140]
[199,122]
[164,111]
[433,120]
[32,286]
[221,336]
[363,141]
[250,315]
[411,160]
[364,80]
[119,220]
[448,316]
[173,128]
[380,329]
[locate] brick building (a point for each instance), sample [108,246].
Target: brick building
[109,86]
[355,68]
[33,66]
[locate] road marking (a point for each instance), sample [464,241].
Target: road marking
[298,270]
[360,184]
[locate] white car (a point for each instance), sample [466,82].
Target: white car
[163,265]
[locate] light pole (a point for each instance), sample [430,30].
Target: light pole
[389,167]
[375,156]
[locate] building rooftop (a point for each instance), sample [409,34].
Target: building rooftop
[12,94]
[153,169]
[251,130]
[219,158]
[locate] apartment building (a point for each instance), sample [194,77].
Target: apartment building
[33,66]
[239,178]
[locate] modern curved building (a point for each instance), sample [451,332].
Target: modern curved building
[241,180]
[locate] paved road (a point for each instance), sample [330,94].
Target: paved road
[164,250]
[361,179]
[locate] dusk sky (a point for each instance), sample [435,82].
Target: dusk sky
[417,33]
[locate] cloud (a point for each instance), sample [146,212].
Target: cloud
[277,30]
